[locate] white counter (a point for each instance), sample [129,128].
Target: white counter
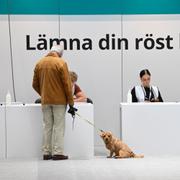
[2,133]
[23,137]
[151,128]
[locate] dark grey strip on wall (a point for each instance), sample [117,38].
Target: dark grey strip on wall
[122,62]
[11,57]
[122,76]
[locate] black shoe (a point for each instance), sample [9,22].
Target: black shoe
[59,157]
[47,157]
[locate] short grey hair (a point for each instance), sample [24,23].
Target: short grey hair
[58,48]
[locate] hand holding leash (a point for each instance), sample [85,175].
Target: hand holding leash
[72,110]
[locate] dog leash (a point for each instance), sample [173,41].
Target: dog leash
[87,121]
[73,121]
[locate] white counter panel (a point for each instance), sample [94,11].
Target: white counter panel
[2,133]
[152,129]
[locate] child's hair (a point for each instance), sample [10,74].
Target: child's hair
[74,76]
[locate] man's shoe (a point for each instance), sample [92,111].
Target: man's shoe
[59,157]
[47,157]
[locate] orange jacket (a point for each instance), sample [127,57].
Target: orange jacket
[52,81]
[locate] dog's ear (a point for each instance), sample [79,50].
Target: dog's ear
[102,134]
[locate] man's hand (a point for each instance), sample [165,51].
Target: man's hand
[72,110]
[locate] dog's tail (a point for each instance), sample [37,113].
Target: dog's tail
[133,155]
[138,156]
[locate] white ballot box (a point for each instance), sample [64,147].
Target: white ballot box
[151,128]
[2,133]
[24,132]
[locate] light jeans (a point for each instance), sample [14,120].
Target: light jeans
[53,129]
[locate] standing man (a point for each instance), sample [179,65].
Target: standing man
[52,82]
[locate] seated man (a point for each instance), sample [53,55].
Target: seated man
[79,95]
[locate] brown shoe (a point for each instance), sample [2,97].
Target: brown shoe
[47,157]
[59,157]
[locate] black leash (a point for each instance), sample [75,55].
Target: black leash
[86,120]
[73,121]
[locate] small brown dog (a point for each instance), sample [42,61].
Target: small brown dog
[117,147]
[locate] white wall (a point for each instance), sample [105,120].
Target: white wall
[104,75]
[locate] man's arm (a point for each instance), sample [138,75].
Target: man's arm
[35,83]
[79,94]
[67,83]
[80,97]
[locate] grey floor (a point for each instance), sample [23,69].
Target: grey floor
[149,168]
